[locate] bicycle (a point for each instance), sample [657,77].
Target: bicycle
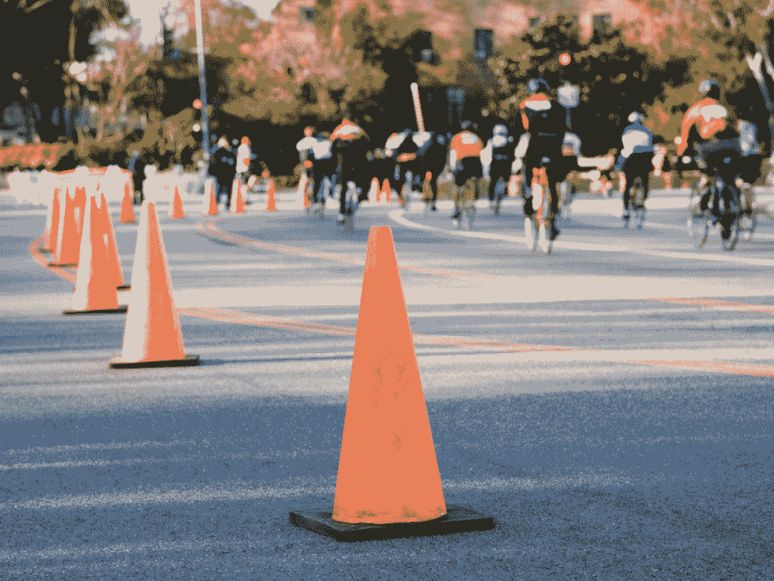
[350,207]
[733,216]
[464,215]
[499,193]
[535,226]
[636,204]
[317,197]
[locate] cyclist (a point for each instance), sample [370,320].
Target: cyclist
[350,143]
[402,148]
[544,121]
[635,160]
[709,127]
[501,148]
[305,155]
[465,162]
[431,158]
[323,167]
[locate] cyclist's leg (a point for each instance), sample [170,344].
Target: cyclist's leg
[528,170]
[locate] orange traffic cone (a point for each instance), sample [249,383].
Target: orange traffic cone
[302,183]
[152,336]
[127,206]
[210,201]
[373,192]
[388,472]
[271,198]
[237,202]
[68,241]
[387,190]
[114,260]
[52,222]
[95,288]
[177,206]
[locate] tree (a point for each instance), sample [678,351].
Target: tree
[613,77]
[39,40]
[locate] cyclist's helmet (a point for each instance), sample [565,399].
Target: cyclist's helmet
[500,129]
[635,117]
[537,85]
[710,88]
[468,126]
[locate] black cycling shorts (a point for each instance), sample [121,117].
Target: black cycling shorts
[468,168]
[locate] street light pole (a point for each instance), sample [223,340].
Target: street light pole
[202,80]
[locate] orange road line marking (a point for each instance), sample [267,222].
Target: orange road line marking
[748,308]
[223,315]
[715,366]
[38,257]
[209,229]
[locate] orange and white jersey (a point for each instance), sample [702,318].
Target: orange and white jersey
[464,144]
[531,106]
[710,118]
[347,131]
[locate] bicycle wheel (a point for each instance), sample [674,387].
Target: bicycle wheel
[638,201]
[499,193]
[546,240]
[565,199]
[729,222]
[748,221]
[698,220]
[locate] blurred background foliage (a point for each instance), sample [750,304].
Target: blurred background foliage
[136,97]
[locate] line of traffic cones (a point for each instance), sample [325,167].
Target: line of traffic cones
[95,284]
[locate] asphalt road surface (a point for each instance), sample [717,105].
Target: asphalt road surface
[610,405]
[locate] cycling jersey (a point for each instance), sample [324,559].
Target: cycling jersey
[465,144]
[636,138]
[709,117]
[347,132]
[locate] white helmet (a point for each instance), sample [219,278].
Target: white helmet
[635,117]
[500,129]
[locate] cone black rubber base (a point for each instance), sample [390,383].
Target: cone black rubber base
[187,361]
[458,519]
[121,309]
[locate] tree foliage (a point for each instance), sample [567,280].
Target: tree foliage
[613,78]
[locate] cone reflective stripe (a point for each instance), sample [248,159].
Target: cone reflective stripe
[373,192]
[114,259]
[176,212]
[152,335]
[388,471]
[67,242]
[271,200]
[80,209]
[127,206]
[210,202]
[95,288]
[52,221]
[237,203]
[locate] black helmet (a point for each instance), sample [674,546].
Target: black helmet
[709,88]
[536,85]
[468,126]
